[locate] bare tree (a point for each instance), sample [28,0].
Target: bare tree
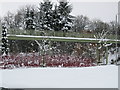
[9,20]
[102,46]
[98,26]
[20,17]
[112,27]
[80,23]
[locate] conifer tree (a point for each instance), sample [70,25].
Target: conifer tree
[64,10]
[30,25]
[45,15]
[4,40]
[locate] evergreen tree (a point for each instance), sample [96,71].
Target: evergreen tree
[30,25]
[55,19]
[63,15]
[4,40]
[45,15]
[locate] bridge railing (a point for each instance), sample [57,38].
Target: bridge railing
[54,51]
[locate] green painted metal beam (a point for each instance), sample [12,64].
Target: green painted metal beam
[65,39]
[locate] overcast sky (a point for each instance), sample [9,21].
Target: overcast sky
[103,10]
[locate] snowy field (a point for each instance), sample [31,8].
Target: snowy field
[87,77]
[0,78]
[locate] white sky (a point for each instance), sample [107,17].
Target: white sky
[104,10]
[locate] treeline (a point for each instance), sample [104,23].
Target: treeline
[49,16]
[57,17]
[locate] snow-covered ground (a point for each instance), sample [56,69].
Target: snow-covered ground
[1,78]
[87,77]
[111,57]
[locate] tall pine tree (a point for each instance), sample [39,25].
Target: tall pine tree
[45,15]
[63,14]
[30,25]
[4,40]
[55,19]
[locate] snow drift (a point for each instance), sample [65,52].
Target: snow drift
[88,77]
